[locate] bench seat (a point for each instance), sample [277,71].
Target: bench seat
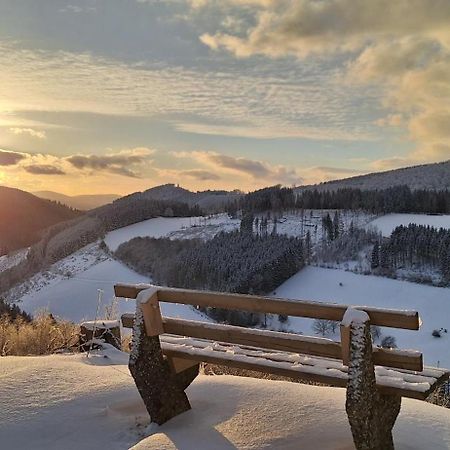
[418,385]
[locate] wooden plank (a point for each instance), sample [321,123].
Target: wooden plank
[127,320]
[299,308]
[274,340]
[345,342]
[152,315]
[180,364]
[272,368]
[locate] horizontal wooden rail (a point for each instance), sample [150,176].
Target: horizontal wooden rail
[299,308]
[279,341]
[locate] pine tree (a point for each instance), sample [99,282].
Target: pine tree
[375,261]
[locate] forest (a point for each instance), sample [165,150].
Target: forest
[240,261]
[397,199]
[414,246]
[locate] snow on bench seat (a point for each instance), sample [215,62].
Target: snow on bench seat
[324,370]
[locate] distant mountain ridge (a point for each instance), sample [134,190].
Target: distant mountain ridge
[209,201]
[435,176]
[81,202]
[23,216]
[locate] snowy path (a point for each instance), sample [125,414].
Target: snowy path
[67,402]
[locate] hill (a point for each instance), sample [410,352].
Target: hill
[209,201]
[24,216]
[74,402]
[428,176]
[81,202]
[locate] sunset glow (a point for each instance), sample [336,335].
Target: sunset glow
[110,96]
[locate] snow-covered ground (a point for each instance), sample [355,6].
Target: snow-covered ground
[386,224]
[206,228]
[70,402]
[432,303]
[11,260]
[69,289]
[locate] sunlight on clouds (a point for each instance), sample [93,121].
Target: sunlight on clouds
[29,131]
[402,46]
[286,104]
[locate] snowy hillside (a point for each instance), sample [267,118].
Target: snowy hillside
[386,224]
[427,176]
[206,228]
[72,403]
[69,288]
[339,286]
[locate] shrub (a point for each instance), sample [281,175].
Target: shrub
[43,335]
[389,342]
[324,327]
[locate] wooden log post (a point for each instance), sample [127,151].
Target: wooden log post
[161,389]
[371,414]
[102,330]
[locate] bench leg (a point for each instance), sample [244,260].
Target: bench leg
[162,393]
[371,415]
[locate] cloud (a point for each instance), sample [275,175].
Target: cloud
[44,169]
[400,48]
[122,163]
[275,100]
[273,131]
[199,174]
[29,131]
[8,158]
[258,170]
[313,175]
[304,27]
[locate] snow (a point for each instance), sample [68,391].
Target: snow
[207,227]
[432,303]
[75,298]
[353,315]
[103,324]
[145,295]
[158,227]
[295,363]
[386,224]
[73,402]
[11,260]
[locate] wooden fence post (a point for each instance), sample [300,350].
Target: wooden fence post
[371,414]
[159,386]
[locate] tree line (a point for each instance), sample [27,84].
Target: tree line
[400,199]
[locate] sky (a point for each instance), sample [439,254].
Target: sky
[117,96]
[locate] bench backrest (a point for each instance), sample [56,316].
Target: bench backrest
[280,341]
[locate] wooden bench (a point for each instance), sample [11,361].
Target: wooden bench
[166,353]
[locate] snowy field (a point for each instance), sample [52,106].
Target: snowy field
[386,224]
[74,297]
[70,402]
[206,228]
[432,303]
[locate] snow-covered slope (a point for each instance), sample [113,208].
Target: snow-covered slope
[69,289]
[426,176]
[159,227]
[386,224]
[433,304]
[72,403]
